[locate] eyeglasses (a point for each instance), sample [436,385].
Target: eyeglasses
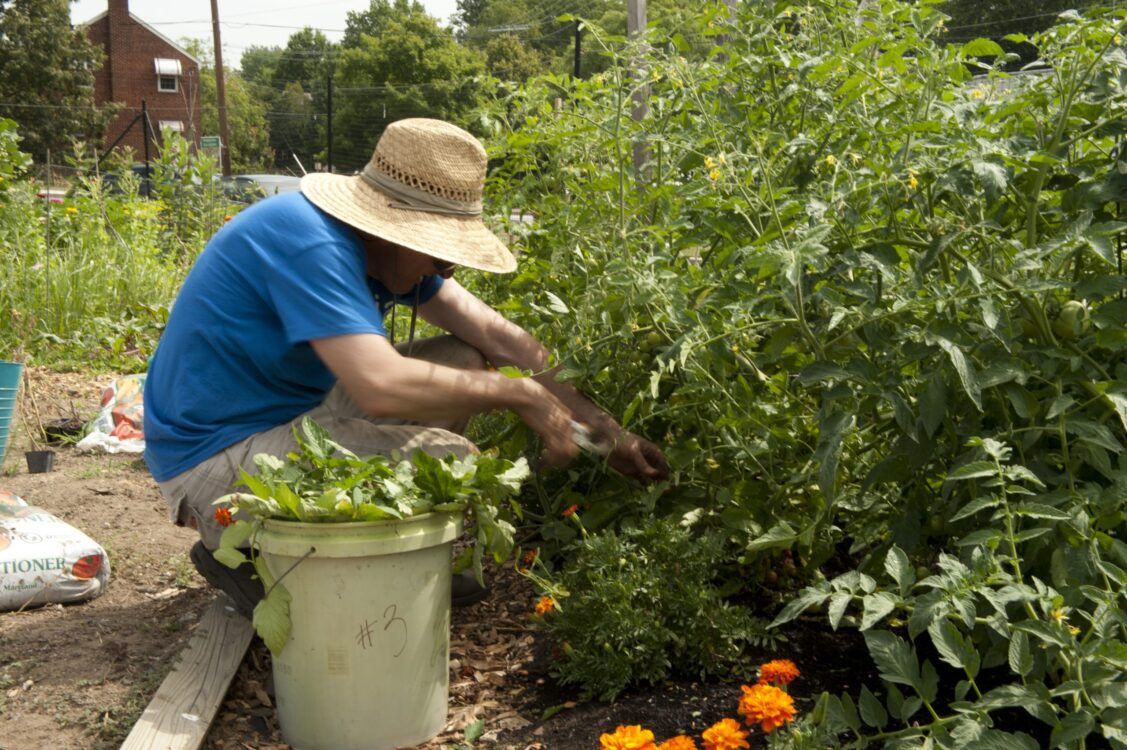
[443,268]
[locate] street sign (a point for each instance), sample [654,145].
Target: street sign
[210,141]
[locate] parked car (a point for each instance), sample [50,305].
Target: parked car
[111,181]
[273,184]
[242,189]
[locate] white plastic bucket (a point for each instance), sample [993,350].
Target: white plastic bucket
[366,665]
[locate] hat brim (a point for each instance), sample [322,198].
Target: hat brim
[464,240]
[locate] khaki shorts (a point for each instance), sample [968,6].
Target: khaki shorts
[191,495]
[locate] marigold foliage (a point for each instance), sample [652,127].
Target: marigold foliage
[725,735]
[767,706]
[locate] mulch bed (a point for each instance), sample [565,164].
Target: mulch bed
[499,673]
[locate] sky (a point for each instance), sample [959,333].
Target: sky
[245,23]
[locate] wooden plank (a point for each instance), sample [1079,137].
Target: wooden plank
[186,702]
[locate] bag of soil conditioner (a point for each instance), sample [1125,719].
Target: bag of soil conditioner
[44,560]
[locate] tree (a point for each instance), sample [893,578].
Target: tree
[47,75]
[403,64]
[995,19]
[259,63]
[468,14]
[510,59]
[247,127]
[299,89]
[373,21]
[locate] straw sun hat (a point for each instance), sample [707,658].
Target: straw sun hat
[422,190]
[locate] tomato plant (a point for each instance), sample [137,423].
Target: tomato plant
[857,256]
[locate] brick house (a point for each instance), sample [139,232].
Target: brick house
[143,67]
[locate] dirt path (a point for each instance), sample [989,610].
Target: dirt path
[77,677]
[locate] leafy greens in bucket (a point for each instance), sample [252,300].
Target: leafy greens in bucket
[323,482]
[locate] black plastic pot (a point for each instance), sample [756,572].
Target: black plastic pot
[39,462]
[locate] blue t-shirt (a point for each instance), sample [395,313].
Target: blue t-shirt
[235,357]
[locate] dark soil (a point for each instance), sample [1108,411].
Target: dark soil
[828,661]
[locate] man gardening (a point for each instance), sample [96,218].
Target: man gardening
[289,312]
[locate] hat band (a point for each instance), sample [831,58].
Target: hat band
[408,198]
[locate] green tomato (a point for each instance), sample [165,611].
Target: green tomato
[1073,322]
[922,572]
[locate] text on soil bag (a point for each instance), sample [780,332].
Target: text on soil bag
[29,566]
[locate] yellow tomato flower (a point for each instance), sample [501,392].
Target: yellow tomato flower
[709,163]
[714,175]
[1058,615]
[1074,630]
[831,160]
[631,737]
[913,183]
[977,93]
[712,463]
[72,210]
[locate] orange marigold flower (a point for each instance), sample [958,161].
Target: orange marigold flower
[529,558]
[725,735]
[570,511]
[767,706]
[223,517]
[778,672]
[545,605]
[631,737]
[680,742]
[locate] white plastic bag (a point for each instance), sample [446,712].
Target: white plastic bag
[44,560]
[119,426]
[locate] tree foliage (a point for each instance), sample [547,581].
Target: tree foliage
[248,132]
[398,62]
[47,75]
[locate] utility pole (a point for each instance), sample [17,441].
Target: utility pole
[722,40]
[329,134]
[220,93]
[577,29]
[636,26]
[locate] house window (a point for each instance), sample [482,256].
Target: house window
[175,126]
[168,74]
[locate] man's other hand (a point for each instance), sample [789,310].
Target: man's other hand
[637,457]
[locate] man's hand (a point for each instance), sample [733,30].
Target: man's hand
[637,457]
[551,420]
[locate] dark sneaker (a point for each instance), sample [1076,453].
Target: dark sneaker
[238,583]
[465,590]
